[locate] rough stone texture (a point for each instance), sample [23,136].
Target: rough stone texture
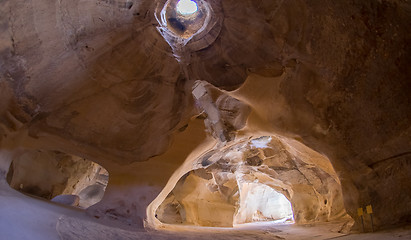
[219,193]
[60,222]
[78,71]
[224,115]
[95,79]
[51,174]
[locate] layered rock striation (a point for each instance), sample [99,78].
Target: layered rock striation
[96,79]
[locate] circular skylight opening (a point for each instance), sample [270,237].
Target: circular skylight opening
[186,7]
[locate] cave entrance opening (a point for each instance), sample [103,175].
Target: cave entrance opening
[181,20]
[261,203]
[58,177]
[252,180]
[186,7]
[216,199]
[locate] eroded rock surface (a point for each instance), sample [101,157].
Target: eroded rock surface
[52,175]
[261,179]
[96,79]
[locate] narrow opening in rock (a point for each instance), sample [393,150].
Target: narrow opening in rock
[183,19]
[58,177]
[186,7]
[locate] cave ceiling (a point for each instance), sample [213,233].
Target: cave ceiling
[102,80]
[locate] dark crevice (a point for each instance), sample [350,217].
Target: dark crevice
[10,173]
[389,158]
[129,5]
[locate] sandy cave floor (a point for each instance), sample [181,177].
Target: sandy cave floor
[23,217]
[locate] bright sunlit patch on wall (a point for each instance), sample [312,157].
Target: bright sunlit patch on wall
[261,142]
[187,7]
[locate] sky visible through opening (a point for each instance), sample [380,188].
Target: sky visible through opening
[187,7]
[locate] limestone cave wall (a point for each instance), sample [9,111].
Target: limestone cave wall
[252,180]
[99,80]
[52,174]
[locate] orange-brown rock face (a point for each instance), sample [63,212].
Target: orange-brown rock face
[107,81]
[255,180]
